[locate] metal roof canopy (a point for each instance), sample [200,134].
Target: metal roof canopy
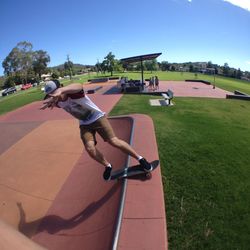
[140,59]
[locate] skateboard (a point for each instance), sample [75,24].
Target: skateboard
[133,171]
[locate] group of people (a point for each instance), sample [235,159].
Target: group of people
[153,83]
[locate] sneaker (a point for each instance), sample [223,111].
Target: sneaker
[146,165]
[107,174]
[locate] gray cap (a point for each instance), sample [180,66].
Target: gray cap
[50,86]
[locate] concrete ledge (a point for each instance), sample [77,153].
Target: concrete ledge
[97,80]
[144,209]
[240,97]
[196,80]
[92,91]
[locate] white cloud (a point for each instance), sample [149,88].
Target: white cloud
[245,4]
[190,1]
[248,62]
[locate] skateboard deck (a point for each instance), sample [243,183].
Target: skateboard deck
[132,171]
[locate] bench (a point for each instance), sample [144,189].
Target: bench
[168,96]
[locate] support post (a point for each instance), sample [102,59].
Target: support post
[142,77]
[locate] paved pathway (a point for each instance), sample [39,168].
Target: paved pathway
[193,89]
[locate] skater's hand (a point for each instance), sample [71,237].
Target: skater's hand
[56,95]
[50,103]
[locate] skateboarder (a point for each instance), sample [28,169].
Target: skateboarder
[91,119]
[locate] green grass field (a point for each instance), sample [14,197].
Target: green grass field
[19,99]
[204,147]
[229,84]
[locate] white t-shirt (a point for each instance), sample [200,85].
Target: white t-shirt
[82,108]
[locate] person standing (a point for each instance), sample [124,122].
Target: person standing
[156,83]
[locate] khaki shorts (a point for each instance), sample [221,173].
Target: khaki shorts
[101,126]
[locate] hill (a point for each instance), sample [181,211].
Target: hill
[75,66]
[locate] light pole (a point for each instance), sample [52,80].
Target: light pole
[214,78]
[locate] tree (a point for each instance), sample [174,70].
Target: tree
[172,68]
[151,65]
[2,80]
[137,66]
[23,63]
[110,62]
[9,82]
[125,66]
[68,66]
[165,65]
[233,73]
[55,75]
[191,68]
[225,69]
[19,59]
[104,66]
[11,62]
[98,67]
[40,62]
[239,74]
[25,57]
[118,66]
[209,64]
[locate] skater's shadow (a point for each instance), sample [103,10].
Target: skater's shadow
[54,223]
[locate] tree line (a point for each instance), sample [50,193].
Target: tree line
[23,65]
[110,64]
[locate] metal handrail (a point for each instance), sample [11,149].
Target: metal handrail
[123,191]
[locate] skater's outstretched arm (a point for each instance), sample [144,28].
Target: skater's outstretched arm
[58,94]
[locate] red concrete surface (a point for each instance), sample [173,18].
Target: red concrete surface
[84,212]
[65,202]
[34,169]
[192,89]
[12,239]
[12,132]
[32,112]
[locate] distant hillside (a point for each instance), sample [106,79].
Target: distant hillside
[75,66]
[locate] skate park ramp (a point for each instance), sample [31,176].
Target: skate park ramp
[54,194]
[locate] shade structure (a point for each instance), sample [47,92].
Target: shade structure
[140,58]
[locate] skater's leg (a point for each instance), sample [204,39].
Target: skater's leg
[127,149]
[95,154]
[106,132]
[98,156]
[124,147]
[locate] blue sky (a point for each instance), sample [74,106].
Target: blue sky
[183,30]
